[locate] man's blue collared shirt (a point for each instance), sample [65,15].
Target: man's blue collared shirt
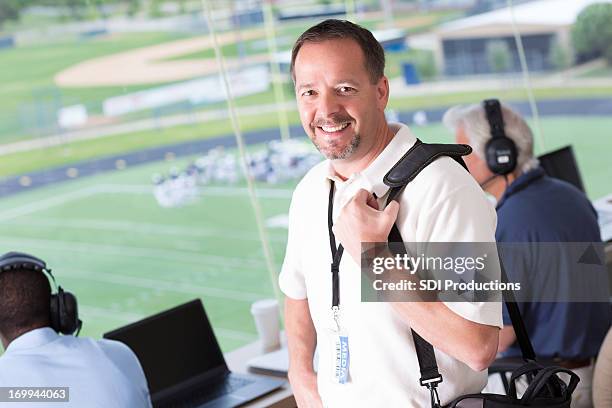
[538,208]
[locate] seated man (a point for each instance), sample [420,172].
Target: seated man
[532,207]
[98,373]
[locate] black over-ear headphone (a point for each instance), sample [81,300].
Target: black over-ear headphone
[500,151]
[64,310]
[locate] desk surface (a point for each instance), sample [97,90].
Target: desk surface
[281,398]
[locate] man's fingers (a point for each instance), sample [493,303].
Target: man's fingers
[392,209]
[372,201]
[361,196]
[365,197]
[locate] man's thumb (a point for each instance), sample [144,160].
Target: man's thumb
[392,209]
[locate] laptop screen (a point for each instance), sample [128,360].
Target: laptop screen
[173,346]
[562,164]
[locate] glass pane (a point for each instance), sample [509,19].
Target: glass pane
[119,163]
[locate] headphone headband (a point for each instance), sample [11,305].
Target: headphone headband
[14,260]
[64,310]
[495,118]
[500,150]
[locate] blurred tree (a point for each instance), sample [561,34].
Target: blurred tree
[560,56]
[425,65]
[155,8]
[498,55]
[11,9]
[183,6]
[75,8]
[72,9]
[592,32]
[133,7]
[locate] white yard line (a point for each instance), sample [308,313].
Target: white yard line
[99,312]
[47,203]
[161,254]
[215,191]
[79,194]
[140,228]
[146,283]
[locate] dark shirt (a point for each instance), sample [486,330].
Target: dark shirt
[538,208]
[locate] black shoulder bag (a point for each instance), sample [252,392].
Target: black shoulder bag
[545,389]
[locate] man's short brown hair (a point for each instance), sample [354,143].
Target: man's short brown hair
[332,29]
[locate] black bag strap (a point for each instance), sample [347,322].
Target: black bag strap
[543,378]
[517,320]
[419,156]
[526,369]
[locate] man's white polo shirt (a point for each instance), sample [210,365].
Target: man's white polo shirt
[442,204]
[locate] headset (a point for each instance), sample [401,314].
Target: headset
[64,310]
[500,151]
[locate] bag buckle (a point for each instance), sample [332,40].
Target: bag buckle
[435,398]
[432,384]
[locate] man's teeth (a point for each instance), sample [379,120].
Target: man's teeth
[330,129]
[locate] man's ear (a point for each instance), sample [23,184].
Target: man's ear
[382,92]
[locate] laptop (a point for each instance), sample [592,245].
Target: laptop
[183,363]
[562,164]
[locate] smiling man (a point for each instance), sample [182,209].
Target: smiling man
[366,351]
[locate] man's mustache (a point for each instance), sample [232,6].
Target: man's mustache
[334,120]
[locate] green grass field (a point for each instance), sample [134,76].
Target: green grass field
[590,137]
[125,257]
[27,87]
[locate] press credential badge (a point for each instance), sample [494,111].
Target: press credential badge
[341,356]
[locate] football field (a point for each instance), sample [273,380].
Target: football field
[125,257]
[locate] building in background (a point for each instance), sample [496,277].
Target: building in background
[484,43]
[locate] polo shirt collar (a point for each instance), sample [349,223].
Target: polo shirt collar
[522,182]
[32,339]
[374,174]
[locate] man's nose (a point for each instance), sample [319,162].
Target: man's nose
[328,104]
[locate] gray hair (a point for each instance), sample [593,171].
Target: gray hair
[473,120]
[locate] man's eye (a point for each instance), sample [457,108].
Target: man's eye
[346,89]
[307,93]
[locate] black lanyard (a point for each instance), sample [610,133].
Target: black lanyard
[336,252]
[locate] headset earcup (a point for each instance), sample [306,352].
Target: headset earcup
[69,315]
[501,155]
[55,313]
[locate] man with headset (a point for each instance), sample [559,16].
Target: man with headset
[532,207]
[37,331]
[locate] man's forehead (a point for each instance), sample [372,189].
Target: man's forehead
[338,46]
[338,60]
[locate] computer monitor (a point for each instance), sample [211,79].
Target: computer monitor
[561,164]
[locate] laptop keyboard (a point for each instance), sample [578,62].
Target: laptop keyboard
[210,393]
